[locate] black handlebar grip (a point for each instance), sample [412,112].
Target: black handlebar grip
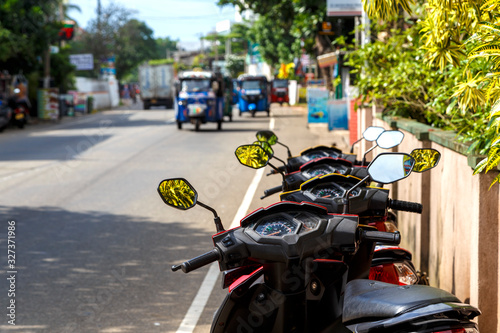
[200,261]
[382,236]
[407,206]
[273,190]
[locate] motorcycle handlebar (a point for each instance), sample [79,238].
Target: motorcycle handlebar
[381,236]
[407,206]
[200,261]
[272,190]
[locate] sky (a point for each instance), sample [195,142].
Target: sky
[184,20]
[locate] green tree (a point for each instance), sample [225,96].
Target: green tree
[288,27]
[116,33]
[134,44]
[27,28]
[165,47]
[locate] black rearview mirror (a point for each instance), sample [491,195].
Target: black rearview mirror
[178,193]
[253,156]
[425,159]
[388,168]
[267,136]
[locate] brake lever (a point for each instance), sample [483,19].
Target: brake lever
[176,268]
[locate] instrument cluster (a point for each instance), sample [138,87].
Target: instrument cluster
[281,224]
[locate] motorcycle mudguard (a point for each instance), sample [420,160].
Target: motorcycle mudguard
[253,309]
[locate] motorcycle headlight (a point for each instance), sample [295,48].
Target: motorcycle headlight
[183,102]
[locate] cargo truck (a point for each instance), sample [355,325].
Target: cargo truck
[157,85]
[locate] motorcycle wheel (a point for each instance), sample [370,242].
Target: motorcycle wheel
[197,125]
[219,125]
[253,113]
[179,125]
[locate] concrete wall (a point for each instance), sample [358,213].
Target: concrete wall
[455,239]
[105,92]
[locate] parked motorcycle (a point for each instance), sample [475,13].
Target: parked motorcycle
[391,263]
[20,110]
[290,267]
[384,139]
[323,164]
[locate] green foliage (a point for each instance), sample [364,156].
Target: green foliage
[165,47]
[26,29]
[235,65]
[460,38]
[161,61]
[134,44]
[284,28]
[391,72]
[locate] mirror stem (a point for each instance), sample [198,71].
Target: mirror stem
[279,159]
[277,170]
[217,221]
[287,149]
[352,147]
[364,155]
[349,191]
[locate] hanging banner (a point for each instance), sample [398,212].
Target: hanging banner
[344,8]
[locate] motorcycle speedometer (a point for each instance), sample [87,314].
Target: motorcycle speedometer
[276,226]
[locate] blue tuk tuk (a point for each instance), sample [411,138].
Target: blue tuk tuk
[199,98]
[253,94]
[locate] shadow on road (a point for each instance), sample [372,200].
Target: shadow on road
[96,272]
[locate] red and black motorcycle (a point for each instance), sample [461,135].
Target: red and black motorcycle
[294,267]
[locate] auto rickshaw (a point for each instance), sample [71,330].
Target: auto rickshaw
[253,94]
[199,98]
[279,91]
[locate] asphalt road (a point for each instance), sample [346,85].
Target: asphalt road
[94,242]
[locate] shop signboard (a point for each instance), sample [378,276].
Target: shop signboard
[344,7]
[48,103]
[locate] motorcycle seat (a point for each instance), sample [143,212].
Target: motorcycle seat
[369,300]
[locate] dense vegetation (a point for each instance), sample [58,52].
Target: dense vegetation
[437,62]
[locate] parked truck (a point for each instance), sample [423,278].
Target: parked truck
[156,83]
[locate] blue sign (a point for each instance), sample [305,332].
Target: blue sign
[337,114]
[317,108]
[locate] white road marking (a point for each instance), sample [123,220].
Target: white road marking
[191,318]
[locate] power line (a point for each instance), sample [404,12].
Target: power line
[178,17]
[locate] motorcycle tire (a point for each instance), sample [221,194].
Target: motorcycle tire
[197,125]
[219,125]
[179,125]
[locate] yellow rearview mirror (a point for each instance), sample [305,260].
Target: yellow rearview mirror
[178,193]
[253,156]
[425,159]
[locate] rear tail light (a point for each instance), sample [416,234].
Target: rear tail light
[396,273]
[386,226]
